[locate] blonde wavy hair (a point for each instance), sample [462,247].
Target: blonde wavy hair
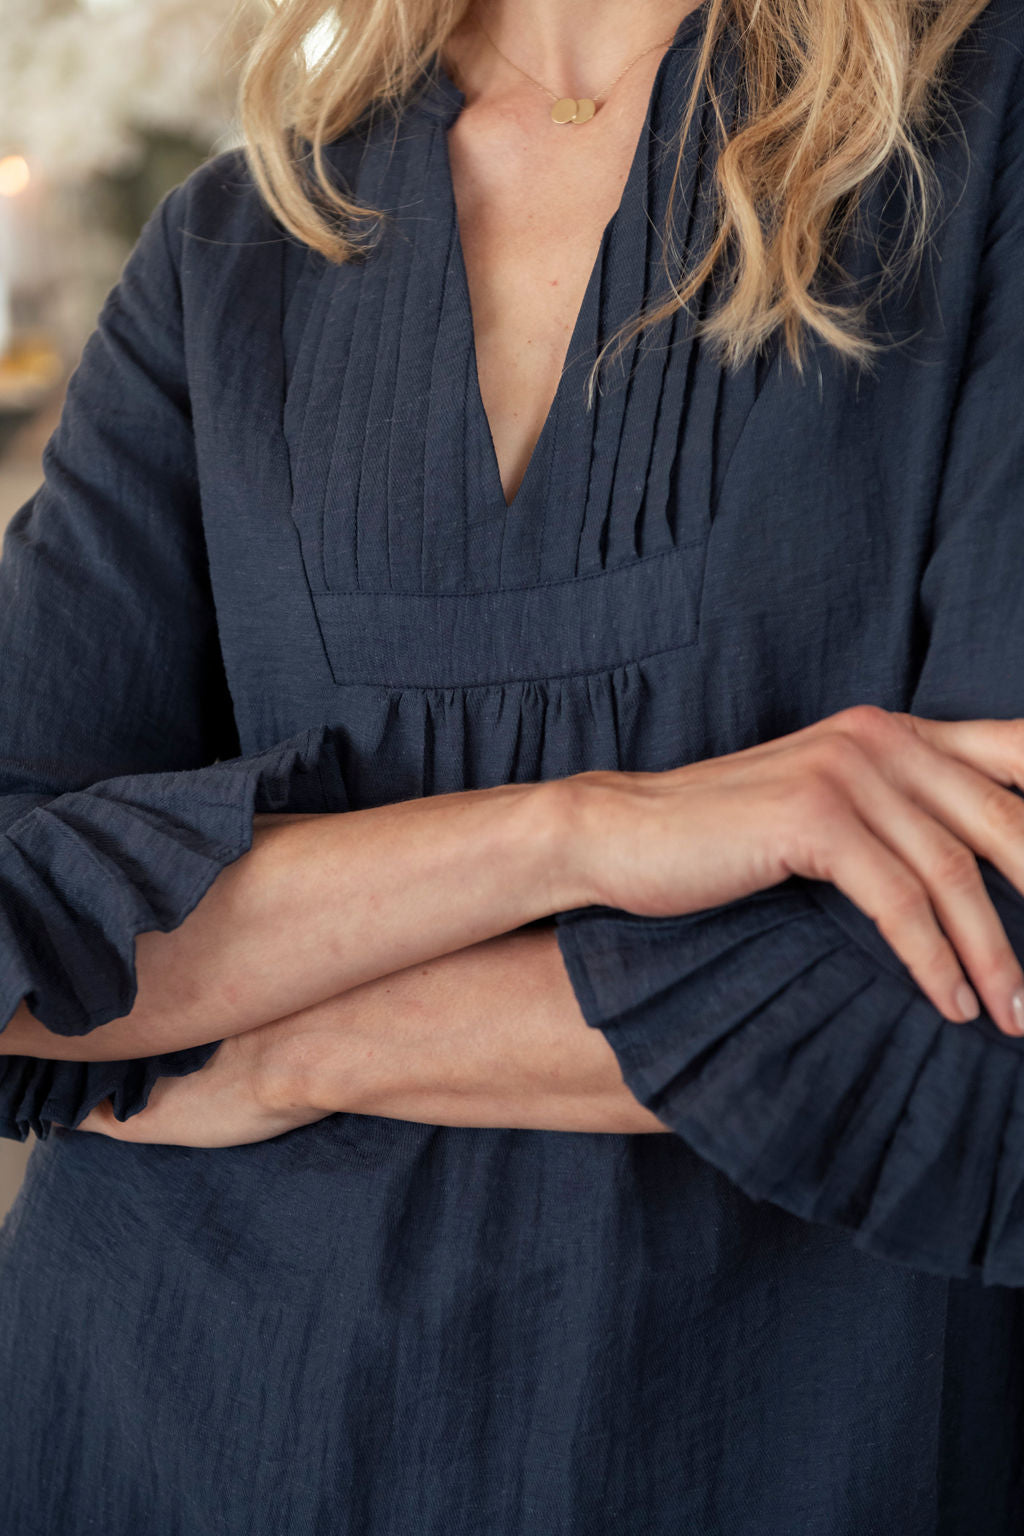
[834,92]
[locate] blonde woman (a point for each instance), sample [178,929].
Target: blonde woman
[510,898]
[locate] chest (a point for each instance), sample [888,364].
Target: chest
[533,202]
[653,593]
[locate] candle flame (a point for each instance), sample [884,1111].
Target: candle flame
[14,175]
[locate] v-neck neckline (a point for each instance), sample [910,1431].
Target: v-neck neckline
[494,486]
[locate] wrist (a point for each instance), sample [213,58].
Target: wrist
[550,811]
[579,808]
[276,1070]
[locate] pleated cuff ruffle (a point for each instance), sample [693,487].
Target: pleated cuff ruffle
[36,1094]
[84,873]
[772,1036]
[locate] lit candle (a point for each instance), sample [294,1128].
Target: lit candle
[14,179]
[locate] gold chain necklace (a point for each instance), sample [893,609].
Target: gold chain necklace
[567,109]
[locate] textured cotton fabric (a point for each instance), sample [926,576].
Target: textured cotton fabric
[271,567]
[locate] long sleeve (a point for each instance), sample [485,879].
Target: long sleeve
[780,1036]
[122,790]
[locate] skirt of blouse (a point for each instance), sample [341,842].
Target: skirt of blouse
[332,1334]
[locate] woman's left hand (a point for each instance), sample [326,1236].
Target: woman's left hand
[232,1100]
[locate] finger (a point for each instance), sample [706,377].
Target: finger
[884,887]
[985,816]
[976,807]
[947,867]
[994,747]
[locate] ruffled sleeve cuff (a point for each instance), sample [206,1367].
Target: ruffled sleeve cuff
[85,872]
[35,1095]
[785,1042]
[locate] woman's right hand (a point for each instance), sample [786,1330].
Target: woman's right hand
[893,809]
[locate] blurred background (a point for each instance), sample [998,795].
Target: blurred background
[104,106]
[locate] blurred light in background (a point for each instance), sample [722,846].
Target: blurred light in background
[14,178]
[14,175]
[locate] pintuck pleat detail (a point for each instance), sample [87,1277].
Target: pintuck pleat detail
[396,485]
[450,542]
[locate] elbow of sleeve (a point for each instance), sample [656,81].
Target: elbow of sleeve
[784,1041]
[85,872]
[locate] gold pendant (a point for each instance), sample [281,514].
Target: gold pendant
[568,110]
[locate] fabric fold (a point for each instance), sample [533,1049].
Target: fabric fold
[780,1049]
[82,874]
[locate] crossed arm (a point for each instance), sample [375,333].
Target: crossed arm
[380,962]
[490,1035]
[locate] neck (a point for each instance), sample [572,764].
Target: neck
[575,44]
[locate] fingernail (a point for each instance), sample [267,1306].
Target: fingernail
[1017,1008]
[967,1002]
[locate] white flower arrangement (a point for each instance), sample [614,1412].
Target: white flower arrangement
[96,94]
[81,86]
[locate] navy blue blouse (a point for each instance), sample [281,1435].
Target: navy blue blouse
[271,567]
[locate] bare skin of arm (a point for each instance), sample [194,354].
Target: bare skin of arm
[323,903]
[492,1034]
[655,844]
[488,1036]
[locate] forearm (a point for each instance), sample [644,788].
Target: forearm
[488,1036]
[324,903]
